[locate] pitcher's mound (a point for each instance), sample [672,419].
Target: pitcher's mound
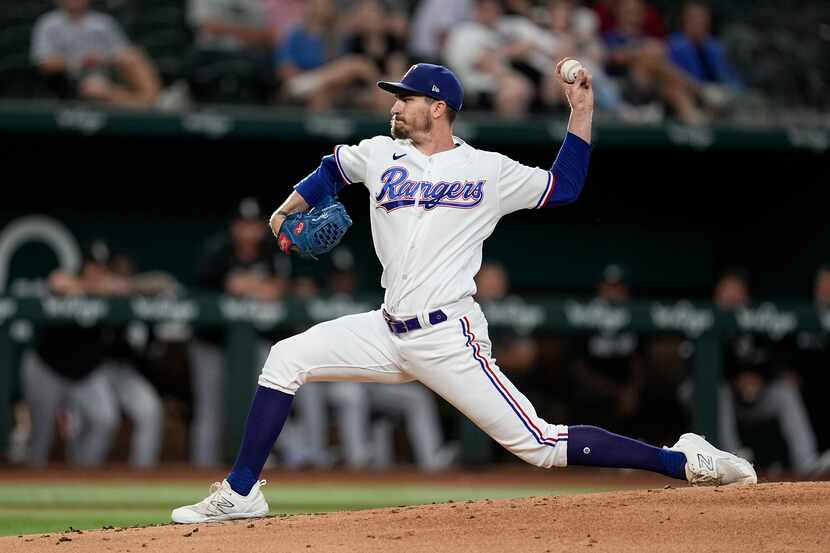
[767,517]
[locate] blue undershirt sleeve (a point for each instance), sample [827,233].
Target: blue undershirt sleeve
[324,182]
[569,170]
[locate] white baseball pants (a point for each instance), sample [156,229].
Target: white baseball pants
[453,358]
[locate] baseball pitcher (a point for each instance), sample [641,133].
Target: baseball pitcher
[434,200]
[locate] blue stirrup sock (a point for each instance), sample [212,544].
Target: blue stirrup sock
[265,420]
[594,447]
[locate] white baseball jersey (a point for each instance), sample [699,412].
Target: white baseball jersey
[450,201]
[430,216]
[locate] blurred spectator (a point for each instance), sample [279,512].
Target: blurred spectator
[311,68]
[243,263]
[696,51]
[782,58]
[368,414]
[492,282]
[607,11]
[643,60]
[662,416]
[90,49]
[517,354]
[87,373]
[232,57]
[812,352]
[572,32]
[481,57]
[125,349]
[533,53]
[701,55]
[431,24]
[608,375]
[521,8]
[283,15]
[304,287]
[568,31]
[760,388]
[376,34]
[234,25]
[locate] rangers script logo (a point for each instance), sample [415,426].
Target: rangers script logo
[399,191]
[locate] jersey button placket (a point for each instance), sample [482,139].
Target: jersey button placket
[416,227]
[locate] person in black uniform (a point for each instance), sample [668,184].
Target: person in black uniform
[89,373]
[760,385]
[242,262]
[813,360]
[608,374]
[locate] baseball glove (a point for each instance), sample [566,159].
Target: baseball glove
[315,231]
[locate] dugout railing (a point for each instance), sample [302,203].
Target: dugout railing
[243,320]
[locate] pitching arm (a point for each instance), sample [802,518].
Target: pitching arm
[571,165]
[523,187]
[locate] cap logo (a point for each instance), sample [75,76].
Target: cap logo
[436,89]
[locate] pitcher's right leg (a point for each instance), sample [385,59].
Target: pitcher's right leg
[356,347]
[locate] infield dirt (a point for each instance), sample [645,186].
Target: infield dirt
[767,517]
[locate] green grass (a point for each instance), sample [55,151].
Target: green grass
[32,509]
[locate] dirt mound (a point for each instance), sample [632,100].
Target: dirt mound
[767,517]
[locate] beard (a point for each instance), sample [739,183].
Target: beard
[398,130]
[421,124]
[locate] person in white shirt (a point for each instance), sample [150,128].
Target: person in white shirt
[480,54]
[90,48]
[431,24]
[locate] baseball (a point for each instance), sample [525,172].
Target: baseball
[569,70]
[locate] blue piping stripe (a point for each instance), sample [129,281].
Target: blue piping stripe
[480,360]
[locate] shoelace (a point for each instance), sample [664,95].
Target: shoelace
[208,504]
[215,487]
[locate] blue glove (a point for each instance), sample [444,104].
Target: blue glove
[316,231]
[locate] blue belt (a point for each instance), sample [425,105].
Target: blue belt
[397,326]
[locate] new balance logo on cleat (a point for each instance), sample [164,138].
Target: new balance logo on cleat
[707,462]
[223,504]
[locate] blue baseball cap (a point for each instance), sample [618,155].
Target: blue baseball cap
[427,79]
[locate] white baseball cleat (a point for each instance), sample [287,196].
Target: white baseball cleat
[707,465]
[223,504]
